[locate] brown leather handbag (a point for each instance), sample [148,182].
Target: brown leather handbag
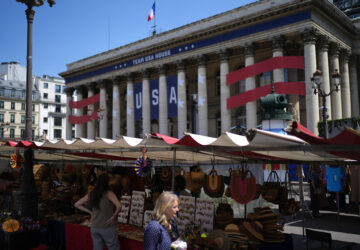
[242,186]
[214,184]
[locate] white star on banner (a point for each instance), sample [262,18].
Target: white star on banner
[186,47]
[129,92]
[129,111]
[201,101]
[180,82]
[201,79]
[192,46]
[115,66]
[180,103]
[124,64]
[179,49]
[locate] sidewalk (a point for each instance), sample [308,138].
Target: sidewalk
[344,229]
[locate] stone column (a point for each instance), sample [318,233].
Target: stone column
[354,87]
[312,101]
[292,74]
[182,104]
[103,111]
[116,118]
[278,50]
[336,110]
[91,109]
[251,116]
[323,45]
[130,113]
[202,96]
[146,118]
[225,114]
[163,101]
[69,93]
[345,84]
[79,112]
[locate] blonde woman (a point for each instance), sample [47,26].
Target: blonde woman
[161,231]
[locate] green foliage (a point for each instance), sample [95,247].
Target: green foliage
[352,122]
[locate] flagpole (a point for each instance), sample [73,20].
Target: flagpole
[154,31]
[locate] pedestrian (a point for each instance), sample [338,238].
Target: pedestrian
[315,189]
[162,231]
[104,209]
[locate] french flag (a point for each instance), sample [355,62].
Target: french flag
[152,13]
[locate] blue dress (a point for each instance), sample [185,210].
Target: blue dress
[156,237]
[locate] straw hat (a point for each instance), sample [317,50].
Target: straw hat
[255,228]
[221,239]
[231,228]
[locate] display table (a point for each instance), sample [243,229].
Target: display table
[79,237]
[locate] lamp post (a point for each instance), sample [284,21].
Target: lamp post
[317,80]
[28,192]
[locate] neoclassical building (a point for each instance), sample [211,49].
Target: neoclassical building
[179,80]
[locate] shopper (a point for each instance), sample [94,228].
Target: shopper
[315,189]
[161,231]
[104,209]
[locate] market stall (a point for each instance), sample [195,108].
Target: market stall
[61,183]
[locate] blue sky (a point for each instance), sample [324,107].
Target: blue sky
[75,29]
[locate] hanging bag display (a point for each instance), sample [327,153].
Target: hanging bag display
[214,184]
[166,175]
[271,187]
[289,205]
[243,186]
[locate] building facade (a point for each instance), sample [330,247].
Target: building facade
[52,115]
[13,103]
[178,81]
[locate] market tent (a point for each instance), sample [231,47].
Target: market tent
[257,145]
[346,144]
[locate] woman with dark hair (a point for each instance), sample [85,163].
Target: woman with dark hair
[105,207]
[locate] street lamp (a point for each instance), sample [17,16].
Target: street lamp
[317,80]
[28,192]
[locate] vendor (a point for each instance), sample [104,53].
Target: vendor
[103,215]
[180,185]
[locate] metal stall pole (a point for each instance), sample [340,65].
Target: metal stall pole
[173,171]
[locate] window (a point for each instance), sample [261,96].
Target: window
[45,95]
[12,105]
[46,85]
[12,93]
[2,132]
[57,133]
[12,133]
[218,126]
[1,104]
[23,106]
[45,119]
[33,119]
[63,89]
[1,117]
[57,98]
[45,131]
[57,121]
[57,89]
[58,108]
[23,119]
[1,92]
[22,133]
[33,107]
[46,105]
[12,118]
[23,94]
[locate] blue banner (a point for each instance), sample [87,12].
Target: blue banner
[172,95]
[154,98]
[138,100]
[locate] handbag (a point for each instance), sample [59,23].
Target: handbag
[271,187]
[166,174]
[214,184]
[242,186]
